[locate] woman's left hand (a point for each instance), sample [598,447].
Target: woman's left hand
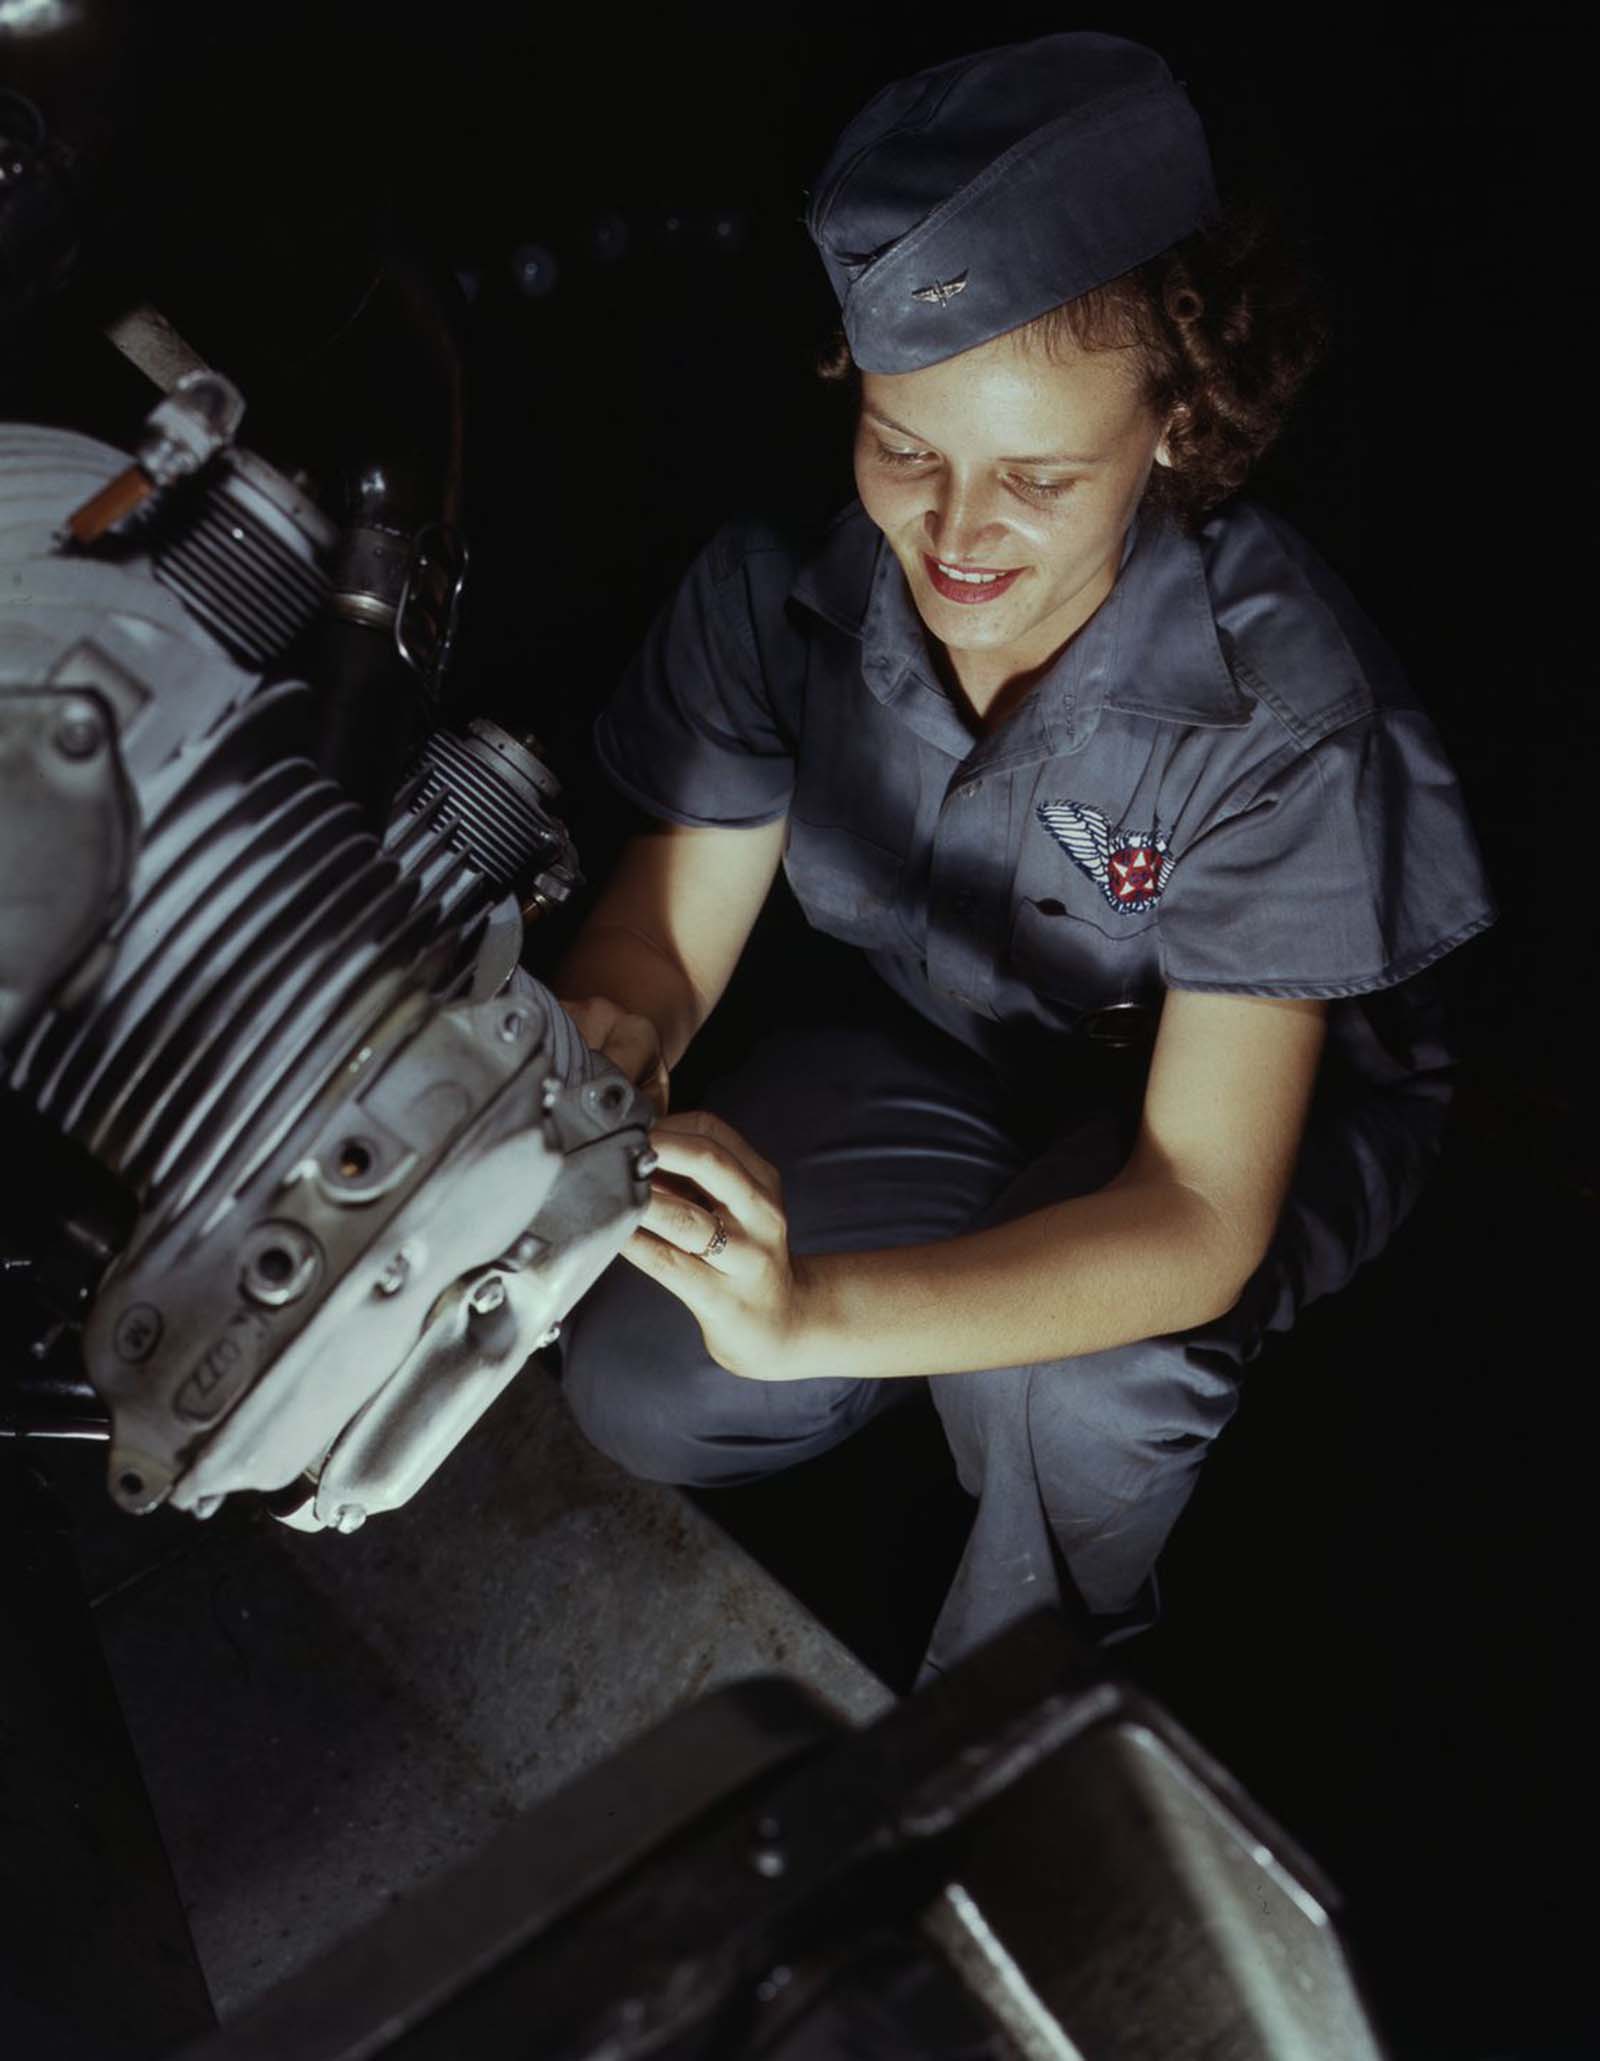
[716,1236]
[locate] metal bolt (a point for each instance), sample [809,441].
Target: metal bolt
[547,1338]
[526,1250]
[549,1089]
[605,1099]
[280,1262]
[486,1295]
[645,1165]
[511,1025]
[394,1276]
[349,1517]
[78,734]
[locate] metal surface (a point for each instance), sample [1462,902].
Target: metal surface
[428,611]
[431,1150]
[1030,1841]
[1186,1927]
[248,562]
[147,339]
[67,838]
[498,793]
[199,418]
[47,1400]
[281,1035]
[370,576]
[583,1841]
[958,1927]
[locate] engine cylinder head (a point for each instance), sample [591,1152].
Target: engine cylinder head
[493,792]
[248,563]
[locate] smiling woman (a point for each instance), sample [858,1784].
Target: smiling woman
[1007,550]
[1031,452]
[1081,749]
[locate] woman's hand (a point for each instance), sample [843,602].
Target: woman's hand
[631,1043]
[715,1235]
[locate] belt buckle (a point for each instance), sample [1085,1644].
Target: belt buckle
[1119,1027]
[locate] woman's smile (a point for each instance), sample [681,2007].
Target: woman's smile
[971,585]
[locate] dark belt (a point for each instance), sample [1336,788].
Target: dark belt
[1120,1027]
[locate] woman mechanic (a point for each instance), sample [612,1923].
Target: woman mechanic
[1067,739]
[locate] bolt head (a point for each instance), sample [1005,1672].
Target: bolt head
[511,1025]
[645,1165]
[78,734]
[349,1517]
[547,1338]
[394,1276]
[486,1295]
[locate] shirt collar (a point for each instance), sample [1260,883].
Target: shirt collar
[1151,649]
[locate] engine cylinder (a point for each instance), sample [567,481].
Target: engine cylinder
[248,562]
[495,792]
[265,930]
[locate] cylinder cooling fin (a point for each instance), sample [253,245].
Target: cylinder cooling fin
[265,929]
[248,559]
[491,795]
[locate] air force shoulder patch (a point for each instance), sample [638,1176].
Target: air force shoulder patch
[1130,868]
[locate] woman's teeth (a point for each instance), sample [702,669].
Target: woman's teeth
[954,572]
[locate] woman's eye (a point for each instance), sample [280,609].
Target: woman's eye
[1033,489]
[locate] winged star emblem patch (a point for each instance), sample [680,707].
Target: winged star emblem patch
[942,292]
[1129,868]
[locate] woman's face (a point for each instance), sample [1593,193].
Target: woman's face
[1020,472]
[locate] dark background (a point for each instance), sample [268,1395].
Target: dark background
[1378,1603]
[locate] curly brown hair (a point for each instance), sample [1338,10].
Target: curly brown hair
[1228,324]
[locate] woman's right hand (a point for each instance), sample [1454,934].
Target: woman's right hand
[631,1043]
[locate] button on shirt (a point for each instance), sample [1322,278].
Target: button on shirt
[1223,781]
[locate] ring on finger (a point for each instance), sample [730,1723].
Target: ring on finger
[719,1238]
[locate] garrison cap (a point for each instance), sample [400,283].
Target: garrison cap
[970,198]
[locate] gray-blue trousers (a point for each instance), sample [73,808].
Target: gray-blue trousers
[891,1133]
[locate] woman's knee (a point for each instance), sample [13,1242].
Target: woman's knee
[644,1390]
[1150,1402]
[627,1365]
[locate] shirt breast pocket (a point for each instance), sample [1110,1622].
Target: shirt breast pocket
[1076,965]
[847,886]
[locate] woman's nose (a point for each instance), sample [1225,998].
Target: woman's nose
[960,522]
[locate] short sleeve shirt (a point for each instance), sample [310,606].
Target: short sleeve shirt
[1222,782]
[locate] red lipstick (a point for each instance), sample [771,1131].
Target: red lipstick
[970,591]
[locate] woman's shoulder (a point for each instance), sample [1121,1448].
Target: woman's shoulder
[757,563]
[1293,634]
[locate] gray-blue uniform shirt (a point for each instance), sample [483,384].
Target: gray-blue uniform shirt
[1223,782]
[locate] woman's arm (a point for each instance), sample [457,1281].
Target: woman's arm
[1167,1245]
[657,949]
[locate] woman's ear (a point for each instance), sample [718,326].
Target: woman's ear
[1178,419]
